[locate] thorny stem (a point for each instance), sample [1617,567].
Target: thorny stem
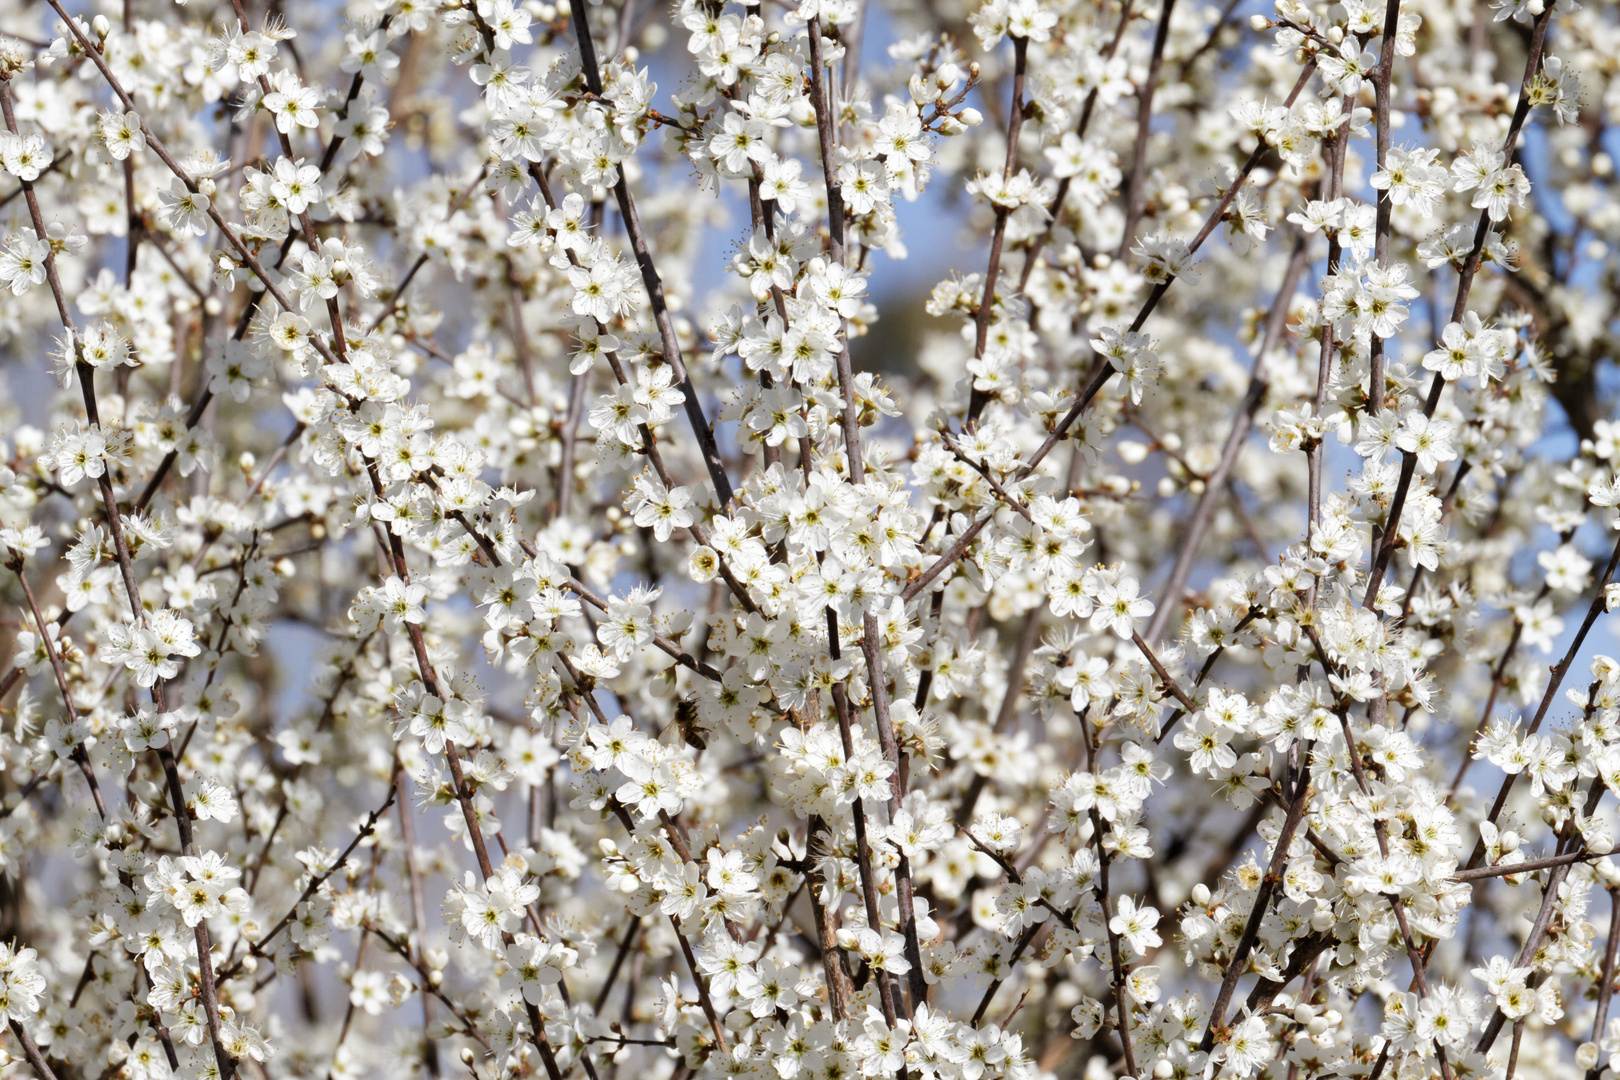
[1087,108]
[1104,372]
[1115,957]
[206,990]
[1381,80]
[429,987]
[1165,678]
[258,947]
[413,873]
[654,284]
[1557,680]
[1144,125]
[998,234]
[31,1051]
[1203,672]
[888,993]
[1498,674]
[86,376]
[1337,153]
[1251,930]
[1419,975]
[1028,635]
[871,649]
[1465,282]
[1236,436]
[80,758]
[1606,986]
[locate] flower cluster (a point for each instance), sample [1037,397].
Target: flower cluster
[460,615]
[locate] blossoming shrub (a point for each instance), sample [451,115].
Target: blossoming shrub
[459,624]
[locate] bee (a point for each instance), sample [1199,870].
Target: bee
[686,721]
